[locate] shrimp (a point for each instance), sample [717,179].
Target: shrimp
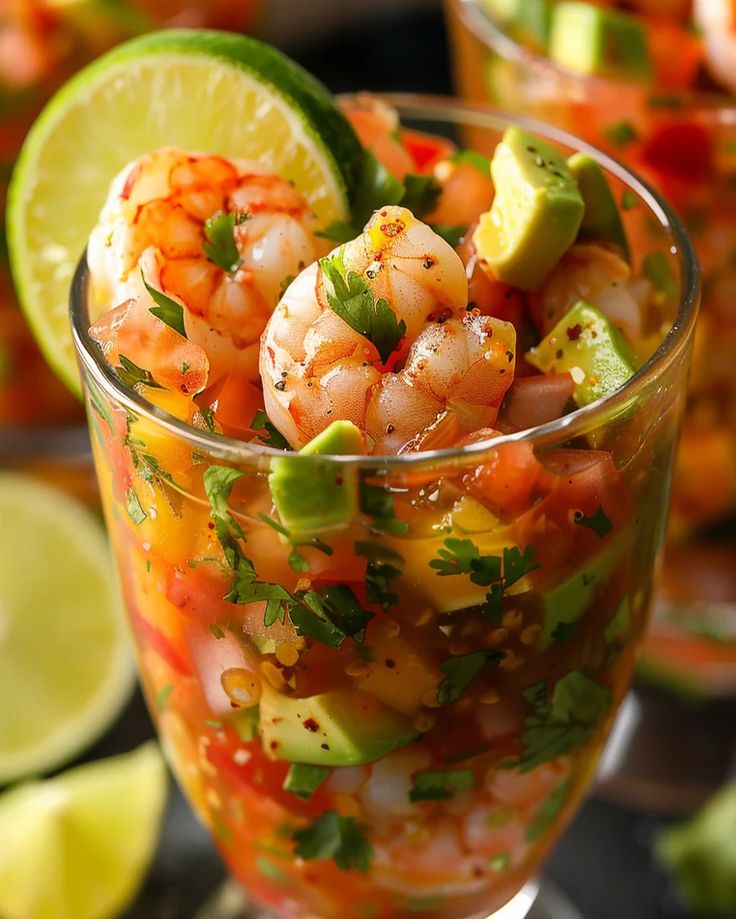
[593,273]
[154,226]
[716,20]
[316,368]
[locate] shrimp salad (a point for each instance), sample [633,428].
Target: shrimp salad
[382,684]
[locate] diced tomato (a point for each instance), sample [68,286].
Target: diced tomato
[425,148]
[680,150]
[492,297]
[534,400]
[236,402]
[677,52]
[585,481]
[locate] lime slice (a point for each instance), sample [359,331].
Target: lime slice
[65,662]
[77,846]
[200,90]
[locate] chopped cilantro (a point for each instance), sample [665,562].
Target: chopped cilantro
[297,562]
[478,160]
[148,565]
[436,785]
[500,862]
[599,522]
[380,571]
[131,374]
[269,869]
[549,811]
[133,507]
[166,309]
[461,556]
[285,283]
[461,671]
[352,300]
[452,233]
[377,188]
[330,616]
[303,780]
[208,417]
[620,134]
[561,721]
[217,631]
[272,437]
[628,200]
[621,622]
[220,247]
[338,231]
[342,839]
[421,194]
[564,631]
[378,503]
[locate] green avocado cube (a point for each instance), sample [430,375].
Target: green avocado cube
[314,496]
[585,344]
[536,212]
[601,219]
[599,41]
[528,20]
[337,728]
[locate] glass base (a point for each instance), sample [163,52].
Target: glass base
[535,901]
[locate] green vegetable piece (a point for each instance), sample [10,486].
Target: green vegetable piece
[303,780]
[438,785]
[550,810]
[601,220]
[337,728]
[599,41]
[701,855]
[342,839]
[569,601]
[536,214]
[585,344]
[528,20]
[312,497]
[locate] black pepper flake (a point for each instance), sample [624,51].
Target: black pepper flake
[370,274]
[390,429]
[325,746]
[428,262]
[509,356]
[284,374]
[558,354]
[390,663]
[281,385]
[531,149]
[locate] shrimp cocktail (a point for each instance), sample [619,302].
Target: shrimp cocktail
[384,457]
[652,82]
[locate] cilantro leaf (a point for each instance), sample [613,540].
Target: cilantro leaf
[599,522]
[220,247]
[378,503]
[461,671]
[133,507]
[272,437]
[620,134]
[342,839]
[338,231]
[436,785]
[563,720]
[330,616]
[131,374]
[549,811]
[303,780]
[380,571]
[421,194]
[477,160]
[350,297]
[452,233]
[456,558]
[517,564]
[296,560]
[167,310]
[377,188]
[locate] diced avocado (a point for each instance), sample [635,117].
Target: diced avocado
[536,212]
[528,20]
[599,41]
[312,497]
[399,675]
[245,722]
[338,728]
[585,344]
[601,220]
[568,602]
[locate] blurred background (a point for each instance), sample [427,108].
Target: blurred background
[676,743]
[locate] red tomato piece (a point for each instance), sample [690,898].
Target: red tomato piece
[680,150]
[424,149]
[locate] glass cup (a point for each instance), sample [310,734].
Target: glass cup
[366,730]
[684,144]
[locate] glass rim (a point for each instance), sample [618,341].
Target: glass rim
[451,111]
[720,106]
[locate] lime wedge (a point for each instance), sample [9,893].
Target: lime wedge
[77,846]
[201,90]
[65,662]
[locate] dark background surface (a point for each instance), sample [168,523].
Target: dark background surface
[604,863]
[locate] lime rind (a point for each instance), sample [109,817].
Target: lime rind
[197,89]
[55,565]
